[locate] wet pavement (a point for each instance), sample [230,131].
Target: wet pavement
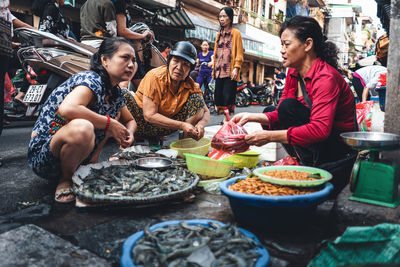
[31,223]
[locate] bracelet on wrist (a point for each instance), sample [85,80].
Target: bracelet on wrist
[108,123]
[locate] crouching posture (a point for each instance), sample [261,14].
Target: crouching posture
[81,114]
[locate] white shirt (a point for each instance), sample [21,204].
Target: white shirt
[370,75]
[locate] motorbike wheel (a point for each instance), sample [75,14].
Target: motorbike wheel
[277,98]
[266,101]
[241,100]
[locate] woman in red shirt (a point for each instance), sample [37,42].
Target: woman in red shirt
[308,120]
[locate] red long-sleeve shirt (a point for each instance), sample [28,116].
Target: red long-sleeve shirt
[332,105]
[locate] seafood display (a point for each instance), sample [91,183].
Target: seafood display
[185,244]
[259,187]
[124,181]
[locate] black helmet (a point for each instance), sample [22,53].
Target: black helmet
[185,50]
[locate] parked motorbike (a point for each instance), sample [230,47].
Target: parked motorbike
[278,91]
[49,61]
[249,94]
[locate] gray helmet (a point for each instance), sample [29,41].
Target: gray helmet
[185,50]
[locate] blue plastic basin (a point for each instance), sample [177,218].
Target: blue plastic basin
[382,97]
[273,212]
[127,261]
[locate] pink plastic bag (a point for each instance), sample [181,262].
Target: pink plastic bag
[230,138]
[286,161]
[363,111]
[9,89]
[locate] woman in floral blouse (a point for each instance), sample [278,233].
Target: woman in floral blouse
[81,114]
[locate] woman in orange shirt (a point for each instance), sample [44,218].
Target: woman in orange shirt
[168,99]
[228,58]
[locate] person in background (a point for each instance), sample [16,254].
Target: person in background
[165,48]
[81,114]
[317,103]
[205,72]
[168,99]
[52,20]
[228,58]
[8,21]
[104,18]
[279,75]
[365,80]
[204,61]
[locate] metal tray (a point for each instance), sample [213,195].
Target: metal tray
[375,141]
[84,170]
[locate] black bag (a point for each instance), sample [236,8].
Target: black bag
[38,7]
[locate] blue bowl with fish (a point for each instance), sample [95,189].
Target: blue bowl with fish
[280,212]
[129,244]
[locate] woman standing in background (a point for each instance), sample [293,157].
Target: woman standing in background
[228,58]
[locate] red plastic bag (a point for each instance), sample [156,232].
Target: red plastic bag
[286,161]
[230,138]
[363,111]
[9,89]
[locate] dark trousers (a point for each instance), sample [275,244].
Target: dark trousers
[292,113]
[3,70]
[331,154]
[358,87]
[225,92]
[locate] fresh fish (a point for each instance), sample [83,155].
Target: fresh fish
[125,180]
[172,245]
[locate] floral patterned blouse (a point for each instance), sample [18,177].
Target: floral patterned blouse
[87,78]
[53,21]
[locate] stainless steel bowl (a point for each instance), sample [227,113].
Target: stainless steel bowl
[150,163]
[375,141]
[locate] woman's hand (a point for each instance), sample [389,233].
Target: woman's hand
[210,64]
[128,141]
[200,131]
[258,138]
[234,73]
[243,118]
[119,132]
[189,130]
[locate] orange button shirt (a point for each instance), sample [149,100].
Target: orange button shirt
[156,86]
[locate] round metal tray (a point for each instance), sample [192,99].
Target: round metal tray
[151,163]
[375,141]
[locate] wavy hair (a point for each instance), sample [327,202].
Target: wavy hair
[107,49]
[306,27]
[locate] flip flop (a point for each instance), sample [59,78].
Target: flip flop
[64,192]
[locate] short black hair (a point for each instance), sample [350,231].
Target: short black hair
[165,45]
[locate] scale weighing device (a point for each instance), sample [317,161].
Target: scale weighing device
[374,180]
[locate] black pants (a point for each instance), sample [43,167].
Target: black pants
[292,113]
[358,87]
[3,69]
[331,154]
[225,92]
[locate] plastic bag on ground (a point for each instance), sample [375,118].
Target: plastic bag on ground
[362,246]
[364,115]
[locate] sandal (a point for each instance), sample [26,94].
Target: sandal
[64,193]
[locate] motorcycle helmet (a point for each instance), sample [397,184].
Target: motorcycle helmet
[185,50]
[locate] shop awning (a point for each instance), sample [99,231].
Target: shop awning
[177,17]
